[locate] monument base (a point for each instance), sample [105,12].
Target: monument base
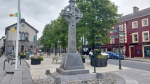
[71,69]
[71,72]
[59,78]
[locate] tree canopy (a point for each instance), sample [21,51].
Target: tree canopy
[99,16]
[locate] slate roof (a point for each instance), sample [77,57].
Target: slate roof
[138,14]
[22,20]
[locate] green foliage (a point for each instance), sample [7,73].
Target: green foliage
[99,16]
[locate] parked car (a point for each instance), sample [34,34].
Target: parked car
[115,55]
[107,55]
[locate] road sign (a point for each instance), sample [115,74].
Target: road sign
[114,30]
[114,36]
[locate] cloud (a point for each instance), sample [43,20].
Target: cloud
[38,13]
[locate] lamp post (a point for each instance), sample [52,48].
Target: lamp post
[119,47]
[119,33]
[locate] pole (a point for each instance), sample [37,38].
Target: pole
[18,21]
[119,48]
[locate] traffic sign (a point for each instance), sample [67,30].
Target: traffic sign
[114,36]
[114,30]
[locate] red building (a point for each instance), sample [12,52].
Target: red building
[136,39]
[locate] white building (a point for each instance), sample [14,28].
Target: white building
[27,37]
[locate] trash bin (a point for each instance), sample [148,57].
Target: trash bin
[27,55]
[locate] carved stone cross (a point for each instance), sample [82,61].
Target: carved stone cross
[73,15]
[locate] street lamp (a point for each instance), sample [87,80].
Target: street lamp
[119,47]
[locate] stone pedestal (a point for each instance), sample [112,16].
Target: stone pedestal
[71,69]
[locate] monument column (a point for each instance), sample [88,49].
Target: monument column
[72,67]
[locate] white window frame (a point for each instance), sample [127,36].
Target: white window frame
[121,38]
[143,39]
[112,40]
[134,37]
[133,26]
[143,25]
[120,27]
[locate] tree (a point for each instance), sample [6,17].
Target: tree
[99,16]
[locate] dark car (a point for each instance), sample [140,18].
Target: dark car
[115,55]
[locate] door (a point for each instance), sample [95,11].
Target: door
[132,52]
[147,51]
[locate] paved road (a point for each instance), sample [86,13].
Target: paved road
[132,64]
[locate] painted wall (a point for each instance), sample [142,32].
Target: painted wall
[24,28]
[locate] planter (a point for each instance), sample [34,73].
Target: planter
[83,60]
[101,62]
[35,61]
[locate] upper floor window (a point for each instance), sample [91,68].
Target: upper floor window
[144,22]
[112,41]
[135,24]
[23,36]
[120,27]
[134,37]
[145,36]
[122,39]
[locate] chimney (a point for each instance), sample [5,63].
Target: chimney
[22,19]
[135,9]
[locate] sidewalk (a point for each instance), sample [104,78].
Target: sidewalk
[139,59]
[124,76]
[11,76]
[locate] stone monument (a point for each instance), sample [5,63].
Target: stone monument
[72,67]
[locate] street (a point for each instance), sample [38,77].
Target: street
[131,64]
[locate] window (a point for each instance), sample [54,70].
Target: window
[144,22]
[134,37]
[135,24]
[121,39]
[120,27]
[112,41]
[145,36]
[23,36]
[26,36]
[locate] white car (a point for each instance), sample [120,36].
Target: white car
[103,53]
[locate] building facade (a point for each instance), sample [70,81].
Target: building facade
[135,42]
[27,37]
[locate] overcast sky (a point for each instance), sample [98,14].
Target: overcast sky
[38,13]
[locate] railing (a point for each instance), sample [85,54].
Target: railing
[9,57]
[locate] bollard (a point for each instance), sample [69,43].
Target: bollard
[47,72]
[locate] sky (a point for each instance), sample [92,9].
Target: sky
[38,13]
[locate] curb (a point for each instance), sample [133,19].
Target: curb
[138,60]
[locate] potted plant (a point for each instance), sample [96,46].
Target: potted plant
[36,60]
[83,58]
[22,55]
[99,60]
